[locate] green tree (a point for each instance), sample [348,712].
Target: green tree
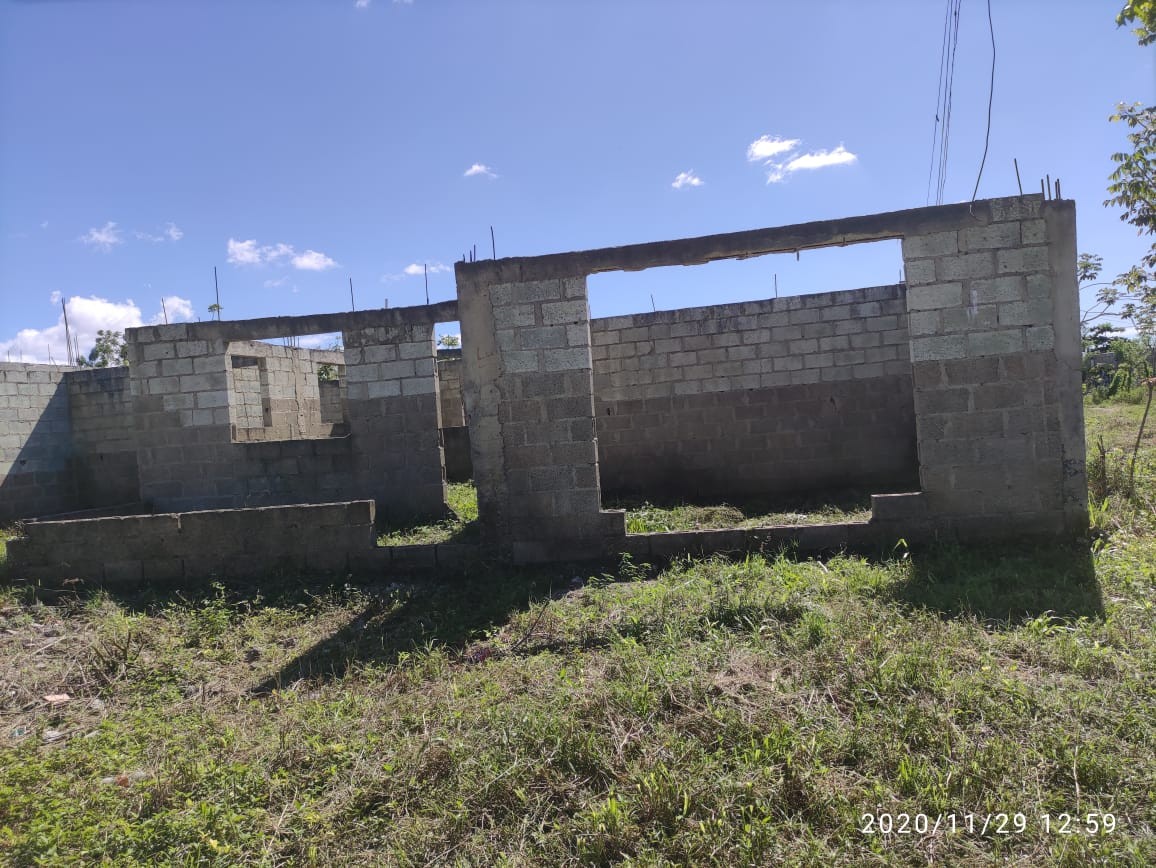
[108,352]
[449,341]
[1143,12]
[1133,181]
[1099,338]
[1132,187]
[215,309]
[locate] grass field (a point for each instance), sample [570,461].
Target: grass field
[642,516]
[712,713]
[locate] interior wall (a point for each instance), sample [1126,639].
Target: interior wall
[103,437]
[760,398]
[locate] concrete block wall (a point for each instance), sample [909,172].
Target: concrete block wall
[103,437]
[450,388]
[184,395]
[165,549]
[394,418]
[995,348]
[275,393]
[455,433]
[246,399]
[757,398]
[332,394]
[36,475]
[181,410]
[528,393]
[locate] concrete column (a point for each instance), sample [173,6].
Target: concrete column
[993,315]
[528,394]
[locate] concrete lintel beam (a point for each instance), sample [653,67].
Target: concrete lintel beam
[265,328]
[731,245]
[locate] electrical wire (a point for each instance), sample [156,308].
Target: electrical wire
[938,98]
[990,97]
[945,136]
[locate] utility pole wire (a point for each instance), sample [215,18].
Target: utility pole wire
[938,99]
[990,96]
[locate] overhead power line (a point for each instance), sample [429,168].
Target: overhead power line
[990,97]
[941,130]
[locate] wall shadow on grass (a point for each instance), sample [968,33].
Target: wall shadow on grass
[400,619]
[399,615]
[1004,584]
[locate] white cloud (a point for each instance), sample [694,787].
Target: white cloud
[320,342]
[103,239]
[178,310]
[767,147]
[311,260]
[43,224]
[480,169]
[171,232]
[686,179]
[416,268]
[242,252]
[840,156]
[362,4]
[270,284]
[86,316]
[403,2]
[250,253]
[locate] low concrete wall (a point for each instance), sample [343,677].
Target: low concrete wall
[159,550]
[759,398]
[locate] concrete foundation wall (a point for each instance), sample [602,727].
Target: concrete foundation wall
[759,398]
[103,437]
[158,550]
[36,475]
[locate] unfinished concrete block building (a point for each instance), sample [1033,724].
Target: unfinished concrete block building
[956,395]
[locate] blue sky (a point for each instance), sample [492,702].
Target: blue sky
[295,145]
